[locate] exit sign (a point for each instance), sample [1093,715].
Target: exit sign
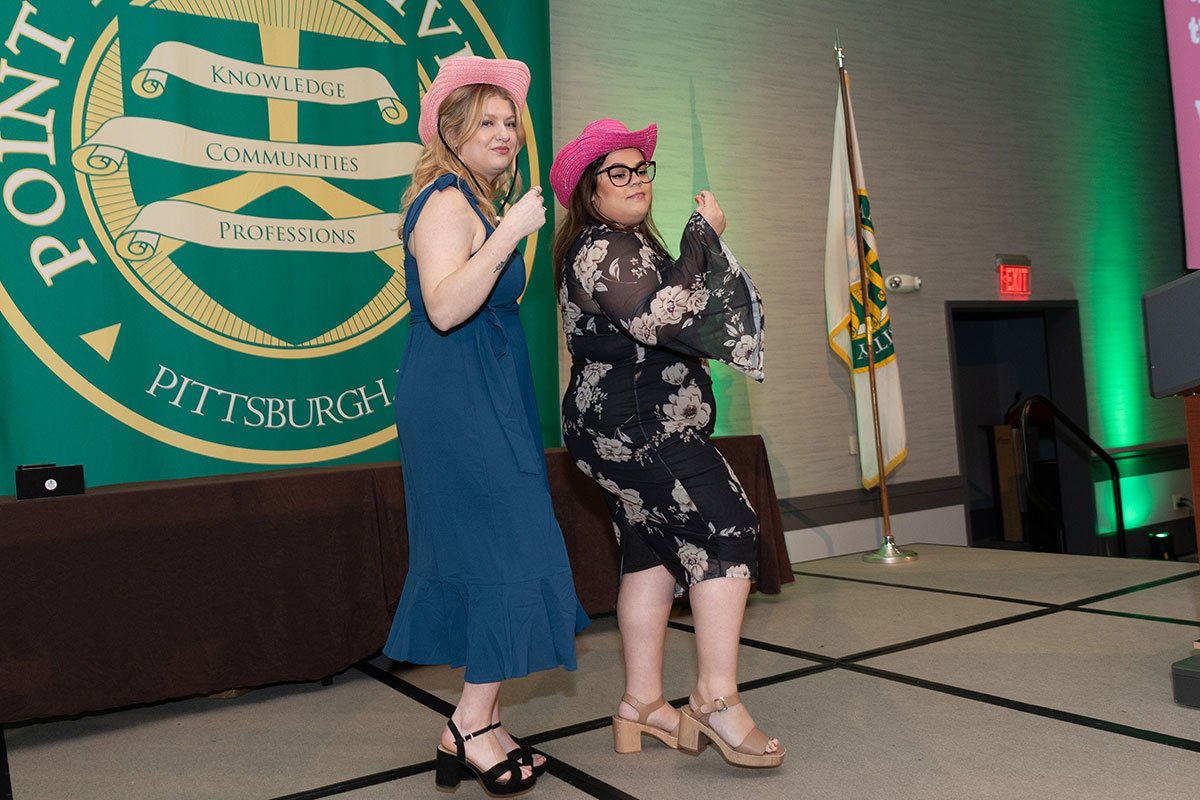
[1014,279]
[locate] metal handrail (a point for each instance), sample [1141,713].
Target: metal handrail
[1081,434]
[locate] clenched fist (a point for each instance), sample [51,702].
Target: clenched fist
[527,214]
[706,204]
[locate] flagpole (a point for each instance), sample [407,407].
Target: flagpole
[888,553]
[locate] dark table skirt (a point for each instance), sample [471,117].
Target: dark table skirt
[141,592]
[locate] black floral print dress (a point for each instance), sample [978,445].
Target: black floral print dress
[639,409]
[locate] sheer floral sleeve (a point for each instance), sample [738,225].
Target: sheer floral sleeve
[703,304]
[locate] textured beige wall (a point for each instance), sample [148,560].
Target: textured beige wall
[1036,126]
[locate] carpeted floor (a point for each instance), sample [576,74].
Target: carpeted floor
[969,673]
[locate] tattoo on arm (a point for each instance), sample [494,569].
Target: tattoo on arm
[500,266]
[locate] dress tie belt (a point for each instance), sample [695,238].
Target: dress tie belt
[500,376]
[499,370]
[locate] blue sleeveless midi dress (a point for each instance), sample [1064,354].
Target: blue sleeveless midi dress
[489,586]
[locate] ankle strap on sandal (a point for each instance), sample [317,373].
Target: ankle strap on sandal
[460,739]
[644,710]
[719,703]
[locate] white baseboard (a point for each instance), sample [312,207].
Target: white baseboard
[946,525]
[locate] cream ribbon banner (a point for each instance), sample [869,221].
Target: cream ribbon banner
[336,87]
[199,224]
[104,151]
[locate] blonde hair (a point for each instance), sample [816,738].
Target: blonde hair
[459,116]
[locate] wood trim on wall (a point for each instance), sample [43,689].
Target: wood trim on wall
[831,508]
[1144,460]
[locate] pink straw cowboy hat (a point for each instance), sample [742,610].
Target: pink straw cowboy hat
[598,138]
[507,73]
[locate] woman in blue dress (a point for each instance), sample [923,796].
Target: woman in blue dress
[489,586]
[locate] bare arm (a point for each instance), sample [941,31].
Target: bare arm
[454,281]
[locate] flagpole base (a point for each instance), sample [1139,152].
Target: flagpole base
[889,554]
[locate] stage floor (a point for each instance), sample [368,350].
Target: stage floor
[968,673]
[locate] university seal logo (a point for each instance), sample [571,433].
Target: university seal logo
[201,197]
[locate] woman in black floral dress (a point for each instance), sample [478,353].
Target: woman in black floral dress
[637,417]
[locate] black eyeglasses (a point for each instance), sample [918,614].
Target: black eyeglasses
[621,174]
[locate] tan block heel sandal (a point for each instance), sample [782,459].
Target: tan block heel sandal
[627,733]
[695,734]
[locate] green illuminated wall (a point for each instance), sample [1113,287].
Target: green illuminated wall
[1121,162]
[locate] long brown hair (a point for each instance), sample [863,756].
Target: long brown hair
[459,116]
[581,211]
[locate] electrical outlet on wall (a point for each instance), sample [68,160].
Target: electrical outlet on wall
[1180,502]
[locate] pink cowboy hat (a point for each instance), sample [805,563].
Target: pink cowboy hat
[598,138]
[509,74]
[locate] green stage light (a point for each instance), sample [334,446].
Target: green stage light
[1113,312]
[1137,503]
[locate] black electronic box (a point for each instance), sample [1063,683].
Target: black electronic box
[48,480]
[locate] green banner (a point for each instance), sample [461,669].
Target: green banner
[201,271]
[881,321]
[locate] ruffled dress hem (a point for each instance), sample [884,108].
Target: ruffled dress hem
[497,630]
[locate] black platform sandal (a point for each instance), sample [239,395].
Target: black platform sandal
[451,767]
[524,755]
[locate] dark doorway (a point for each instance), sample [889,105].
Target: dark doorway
[1001,354]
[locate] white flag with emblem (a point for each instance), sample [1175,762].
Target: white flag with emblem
[844,308]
